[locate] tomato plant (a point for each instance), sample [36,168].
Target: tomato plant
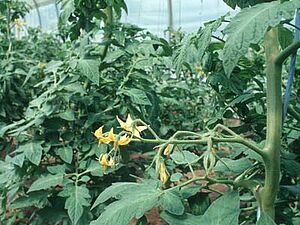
[128,127]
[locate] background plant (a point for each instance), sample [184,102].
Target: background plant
[49,155]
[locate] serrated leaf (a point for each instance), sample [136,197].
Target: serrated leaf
[133,204]
[264,219]
[181,52]
[77,198]
[45,182]
[204,39]
[116,190]
[33,151]
[171,202]
[225,210]
[243,3]
[65,153]
[186,219]
[176,177]
[235,166]
[68,7]
[184,157]
[90,69]
[37,199]
[137,96]
[18,159]
[250,25]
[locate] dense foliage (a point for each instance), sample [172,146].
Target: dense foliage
[58,89]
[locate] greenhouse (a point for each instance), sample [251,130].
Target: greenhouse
[162,112]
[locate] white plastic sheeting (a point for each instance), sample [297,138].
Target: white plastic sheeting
[152,15]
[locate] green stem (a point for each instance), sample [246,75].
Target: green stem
[268,193]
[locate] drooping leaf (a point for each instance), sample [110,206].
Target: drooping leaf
[65,153]
[90,69]
[68,7]
[33,151]
[225,210]
[171,202]
[235,166]
[37,199]
[204,39]
[244,3]
[181,52]
[184,157]
[186,219]
[133,203]
[114,191]
[45,182]
[77,198]
[250,25]
[137,96]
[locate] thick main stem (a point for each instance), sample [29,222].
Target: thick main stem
[274,116]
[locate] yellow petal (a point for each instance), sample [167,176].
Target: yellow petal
[129,121]
[163,175]
[103,160]
[111,162]
[136,133]
[111,135]
[168,149]
[141,128]
[124,140]
[99,132]
[122,124]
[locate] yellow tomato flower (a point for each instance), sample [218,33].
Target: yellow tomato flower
[128,126]
[103,160]
[168,149]
[99,132]
[124,140]
[104,138]
[163,174]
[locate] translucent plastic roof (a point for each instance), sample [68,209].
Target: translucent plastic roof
[149,14]
[34,3]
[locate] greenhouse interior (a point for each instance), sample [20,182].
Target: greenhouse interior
[162,112]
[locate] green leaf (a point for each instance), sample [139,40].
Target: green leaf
[77,198]
[116,190]
[230,165]
[181,52]
[225,210]
[186,219]
[137,96]
[65,153]
[204,39]
[113,56]
[67,115]
[68,7]
[184,157]
[133,203]
[243,3]
[45,182]
[176,177]
[37,199]
[33,151]
[264,219]
[285,36]
[250,25]
[90,69]
[190,190]
[171,202]
[19,159]
[199,203]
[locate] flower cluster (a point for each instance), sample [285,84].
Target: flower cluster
[130,130]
